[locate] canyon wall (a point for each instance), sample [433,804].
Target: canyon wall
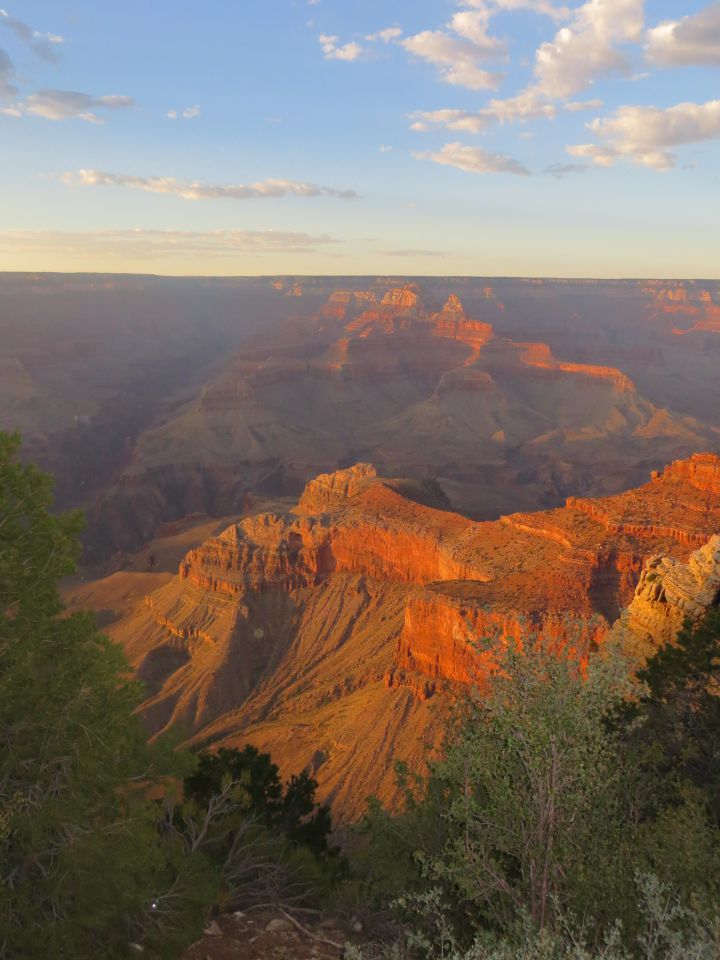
[296,628]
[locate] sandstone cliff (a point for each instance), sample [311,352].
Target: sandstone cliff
[334,633]
[670,592]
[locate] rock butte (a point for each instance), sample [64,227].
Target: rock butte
[334,633]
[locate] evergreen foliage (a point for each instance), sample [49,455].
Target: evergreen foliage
[680,714]
[81,861]
[290,809]
[97,847]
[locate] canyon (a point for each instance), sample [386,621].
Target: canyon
[165,398]
[336,631]
[316,506]
[422,385]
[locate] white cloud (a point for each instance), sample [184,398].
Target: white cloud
[525,106]
[468,121]
[461,46]
[475,160]
[473,25]
[582,50]
[645,135]
[332,51]
[69,105]
[588,46]
[692,40]
[384,148]
[196,190]
[189,113]
[385,36]
[456,57]
[602,156]
[159,243]
[547,7]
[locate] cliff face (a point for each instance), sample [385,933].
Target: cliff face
[540,355]
[349,522]
[701,471]
[671,591]
[334,632]
[450,634]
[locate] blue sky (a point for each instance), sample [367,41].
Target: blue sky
[485,137]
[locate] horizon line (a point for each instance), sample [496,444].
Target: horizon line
[357,276]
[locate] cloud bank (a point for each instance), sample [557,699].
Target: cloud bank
[690,41]
[160,243]
[197,190]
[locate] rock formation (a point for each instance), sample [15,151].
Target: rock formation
[333,633]
[670,592]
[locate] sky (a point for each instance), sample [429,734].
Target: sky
[400,137]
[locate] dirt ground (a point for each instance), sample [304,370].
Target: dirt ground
[269,937]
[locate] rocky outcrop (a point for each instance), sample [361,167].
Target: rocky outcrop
[332,489]
[692,308]
[371,530]
[403,297]
[454,634]
[671,591]
[701,470]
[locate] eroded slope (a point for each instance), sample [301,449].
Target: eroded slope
[332,634]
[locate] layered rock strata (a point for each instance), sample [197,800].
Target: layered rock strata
[334,633]
[671,591]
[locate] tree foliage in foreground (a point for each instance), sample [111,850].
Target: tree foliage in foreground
[81,861]
[290,809]
[97,850]
[679,717]
[552,798]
